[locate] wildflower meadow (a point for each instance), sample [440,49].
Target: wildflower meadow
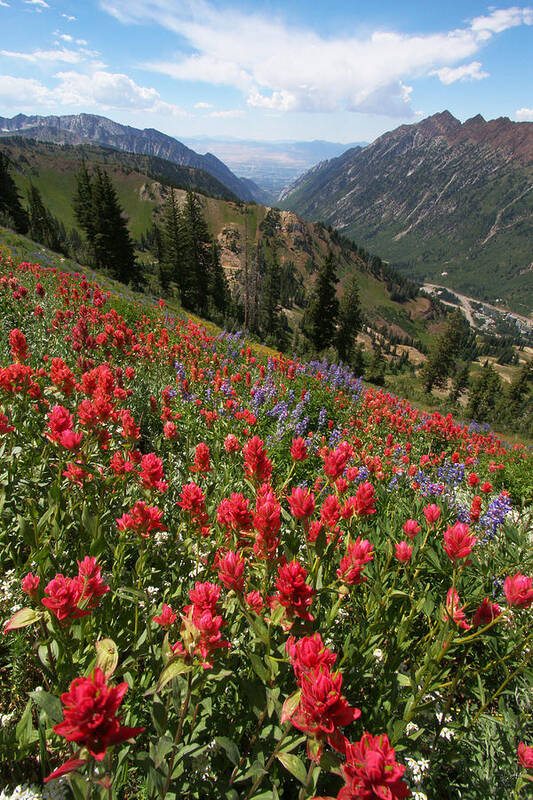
[229,574]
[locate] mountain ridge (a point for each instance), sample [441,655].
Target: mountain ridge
[446,199]
[80,128]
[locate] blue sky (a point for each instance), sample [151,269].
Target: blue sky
[342,70]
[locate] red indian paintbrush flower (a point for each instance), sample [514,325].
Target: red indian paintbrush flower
[518,590]
[454,611]
[294,594]
[299,449]
[432,513]
[457,541]
[307,654]
[485,613]
[30,585]
[141,519]
[301,503]
[231,443]
[256,463]
[166,618]
[89,715]
[18,344]
[411,528]
[151,472]
[322,710]
[403,552]
[525,755]
[371,771]
[234,513]
[201,459]
[357,555]
[231,571]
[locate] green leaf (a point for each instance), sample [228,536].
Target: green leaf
[106,656]
[50,704]
[290,705]
[175,667]
[164,746]
[230,748]
[24,731]
[403,680]
[23,618]
[258,667]
[294,765]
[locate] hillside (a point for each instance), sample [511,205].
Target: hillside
[142,185]
[452,201]
[83,128]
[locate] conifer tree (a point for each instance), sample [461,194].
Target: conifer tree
[270,296]
[197,250]
[324,307]
[11,211]
[218,286]
[350,319]
[172,263]
[484,395]
[441,360]
[44,227]
[83,204]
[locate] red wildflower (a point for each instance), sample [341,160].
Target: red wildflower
[59,420]
[201,635]
[166,618]
[457,541]
[231,443]
[170,431]
[201,458]
[518,590]
[30,585]
[151,472]
[89,715]
[141,519]
[307,654]
[204,597]
[294,594]
[234,513]
[362,504]
[357,555]
[330,511]
[267,522]
[5,427]
[432,513]
[473,479]
[525,755]
[322,710]
[485,613]
[61,376]
[411,528]
[64,596]
[454,611]
[18,345]
[475,509]
[193,503]
[255,601]
[231,571]
[256,463]
[301,503]
[371,772]
[335,462]
[130,430]
[299,449]
[70,440]
[403,552]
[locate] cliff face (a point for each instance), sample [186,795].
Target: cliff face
[441,196]
[80,128]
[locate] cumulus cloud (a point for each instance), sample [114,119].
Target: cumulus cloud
[231,113]
[282,68]
[201,104]
[466,72]
[524,114]
[100,90]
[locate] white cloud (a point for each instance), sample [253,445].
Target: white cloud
[81,41]
[39,4]
[38,56]
[69,17]
[201,104]
[6,5]
[231,113]
[524,114]
[294,69]
[66,37]
[466,72]
[104,91]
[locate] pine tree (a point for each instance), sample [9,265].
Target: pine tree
[12,213]
[83,204]
[172,263]
[197,251]
[218,286]
[350,319]
[484,395]
[270,296]
[44,227]
[324,307]
[441,361]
